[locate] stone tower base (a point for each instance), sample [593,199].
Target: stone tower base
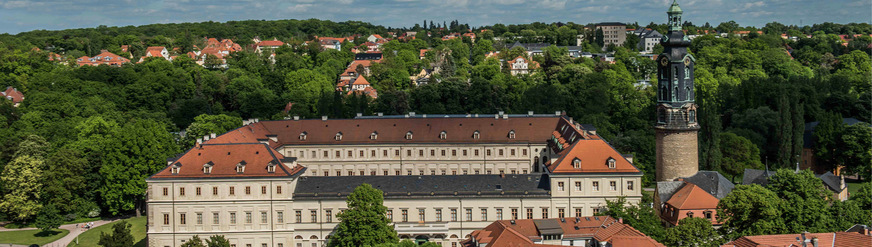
[677,153]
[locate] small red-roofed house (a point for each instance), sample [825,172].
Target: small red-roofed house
[268,45]
[374,38]
[105,57]
[690,201]
[156,51]
[520,66]
[14,95]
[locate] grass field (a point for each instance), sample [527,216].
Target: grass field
[91,237]
[28,237]
[853,187]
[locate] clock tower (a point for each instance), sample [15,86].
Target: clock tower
[676,128]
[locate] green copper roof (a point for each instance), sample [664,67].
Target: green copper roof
[674,8]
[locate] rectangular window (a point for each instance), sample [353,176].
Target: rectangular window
[397,153]
[561,213]
[338,155]
[166,191]
[468,214]
[453,214]
[595,186]
[325,154]
[484,214]
[409,153]
[501,152]
[629,185]
[299,216]
[596,211]
[577,212]
[613,185]
[263,190]
[279,189]
[577,186]
[432,152]
[514,213]
[232,217]
[405,215]
[390,214]
[166,219]
[314,215]
[199,218]
[182,191]
[384,153]
[512,152]
[559,186]
[328,216]
[280,217]
[360,154]
[247,217]
[214,191]
[198,191]
[248,190]
[475,152]
[421,216]
[420,153]
[215,218]
[499,214]
[182,218]
[232,190]
[524,152]
[544,213]
[438,215]
[372,153]
[349,154]
[263,217]
[529,213]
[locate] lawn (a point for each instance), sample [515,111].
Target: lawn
[91,237]
[853,187]
[28,237]
[13,225]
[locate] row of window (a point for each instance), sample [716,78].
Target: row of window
[442,135]
[613,186]
[231,190]
[419,172]
[248,216]
[432,153]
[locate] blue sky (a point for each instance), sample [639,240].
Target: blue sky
[25,15]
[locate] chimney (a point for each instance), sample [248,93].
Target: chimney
[814,242]
[323,118]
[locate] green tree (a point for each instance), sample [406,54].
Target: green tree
[119,237]
[696,232]
[826,139]
[801,188]
[207,124]
[217,241]
[48,218]
[638,216]
[738,153]
[856,149]
[365,221]
[194,242]
[22,182]
[750,210]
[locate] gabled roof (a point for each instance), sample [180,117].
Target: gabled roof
[594,155]
[13,94]
[360,81]
[830,239]
[154,51]
[691,196]
[665,190]
[224,158]
[754,176]
[270,43]
[524,232]
[712,182]
[833,182]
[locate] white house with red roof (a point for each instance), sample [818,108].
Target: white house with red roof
[268,45]
[374,38]
[105,57]
[156,51]
[14,95]
[521,66]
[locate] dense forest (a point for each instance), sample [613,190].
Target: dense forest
[85,138]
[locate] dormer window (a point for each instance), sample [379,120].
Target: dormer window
[240,167]
[373,136]
[271,168]
[338,136]
[207,168]
[476,135]
[443,135]
[303,136]
[576,163]
[176,167]
[611,163]
[408,135]
[511,134]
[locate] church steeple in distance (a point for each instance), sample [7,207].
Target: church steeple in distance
[676,128]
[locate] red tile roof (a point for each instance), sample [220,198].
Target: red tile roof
[224,159]
[831,239]
[13,94]
[270,43]
[691,196]
[593,155]
[601,228]
[154,51]
[360,81]
[104,57]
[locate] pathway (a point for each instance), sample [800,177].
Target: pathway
[75,230]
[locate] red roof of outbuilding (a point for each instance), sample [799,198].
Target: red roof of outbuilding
[691,196]
[224,158]
[13,94]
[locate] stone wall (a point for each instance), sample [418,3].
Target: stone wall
[677,154]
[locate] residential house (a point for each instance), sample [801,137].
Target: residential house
[520,66]
[375,38]
[694,196]
[156,51]
[538,49]
[268,46]
[614,33]
[352,70]
[423,53]
[14,95]
[829,239]
[331,43]
[422,78]
[592,231]
[105,57]
[648,38]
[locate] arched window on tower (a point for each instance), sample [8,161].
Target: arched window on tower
[687,95]
[686,73]
[691,116]
[663,93]
[674,93]
[661,115]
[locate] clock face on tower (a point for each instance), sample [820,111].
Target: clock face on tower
[686,61]
[664,61]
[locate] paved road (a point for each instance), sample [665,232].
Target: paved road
[69,238]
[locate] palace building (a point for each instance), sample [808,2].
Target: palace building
[281,183]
